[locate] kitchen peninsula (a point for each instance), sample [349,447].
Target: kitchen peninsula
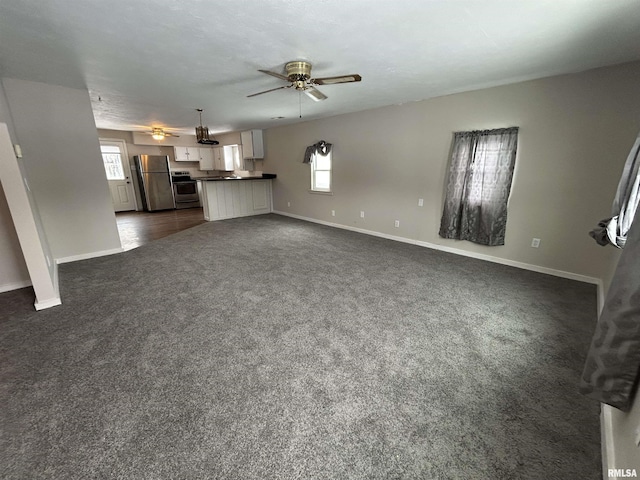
[235,196]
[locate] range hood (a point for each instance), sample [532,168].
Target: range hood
[202,133]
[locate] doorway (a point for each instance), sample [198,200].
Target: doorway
[118,172]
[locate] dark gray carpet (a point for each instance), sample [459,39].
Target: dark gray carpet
[267,347]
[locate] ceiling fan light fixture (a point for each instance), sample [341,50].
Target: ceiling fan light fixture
[297,71]
[315,94]
[158,134]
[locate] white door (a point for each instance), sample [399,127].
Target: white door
[118,173]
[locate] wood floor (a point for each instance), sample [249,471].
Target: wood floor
[140,228]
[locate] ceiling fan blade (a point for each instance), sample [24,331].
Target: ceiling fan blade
[274,74]
[171,135]
[341,79]
[315,94]
[267,91]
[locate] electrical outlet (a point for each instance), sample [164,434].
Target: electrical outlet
[397,223]
[535,243]
[288,204]
[362,214]
[421,202]
[333,213]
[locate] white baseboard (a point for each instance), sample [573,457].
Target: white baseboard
[50,302]
[85,256]
[457,251]
[41,304]
[7,287]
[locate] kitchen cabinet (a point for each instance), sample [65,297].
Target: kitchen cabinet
[235,198]
[206,158]
[218,164]
[252,144]
[204,155]
[186,154]
[224,159]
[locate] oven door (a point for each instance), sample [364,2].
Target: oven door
[186,189]
[186,194]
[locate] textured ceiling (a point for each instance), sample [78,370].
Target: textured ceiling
[153,63]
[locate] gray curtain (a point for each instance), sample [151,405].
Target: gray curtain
[321,148]
[614,230]
[478,186]
[612,368]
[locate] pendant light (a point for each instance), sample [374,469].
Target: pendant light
[202,133]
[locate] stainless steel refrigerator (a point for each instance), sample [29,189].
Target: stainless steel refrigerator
[154,179]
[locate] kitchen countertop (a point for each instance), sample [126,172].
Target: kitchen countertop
[219,178]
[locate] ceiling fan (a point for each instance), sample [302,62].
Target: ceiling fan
[299,74]
[158,133]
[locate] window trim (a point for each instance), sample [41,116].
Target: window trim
[313,170]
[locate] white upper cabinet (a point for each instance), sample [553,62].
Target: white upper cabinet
[218,164]
[224,158]
[252,145]
[186,154]
[206,159]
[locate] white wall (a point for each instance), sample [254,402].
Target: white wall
[575,133]
[623,452]
[55,127]
[33,242]
[13,270]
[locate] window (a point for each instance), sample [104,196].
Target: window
[321,172]
[111,157]
[478,186]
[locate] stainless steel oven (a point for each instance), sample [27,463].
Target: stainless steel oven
[185,190]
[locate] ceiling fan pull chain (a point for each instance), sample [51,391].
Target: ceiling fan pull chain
[300,102]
